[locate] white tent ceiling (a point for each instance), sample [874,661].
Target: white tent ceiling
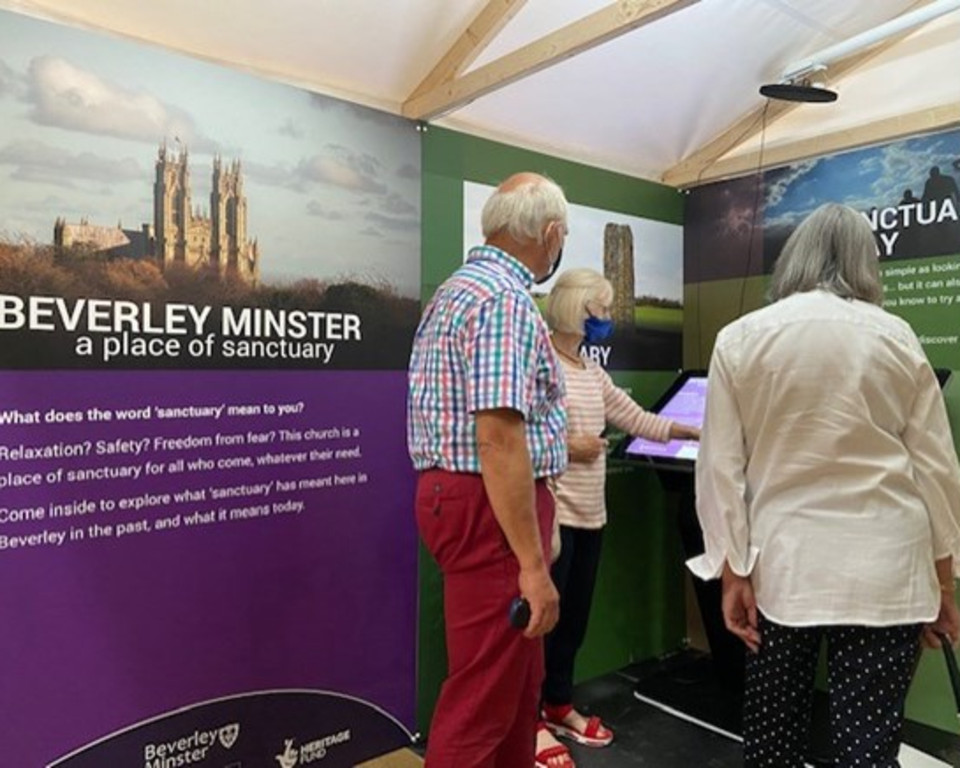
[645,103]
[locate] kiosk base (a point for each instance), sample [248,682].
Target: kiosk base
[727,650]
[724,677]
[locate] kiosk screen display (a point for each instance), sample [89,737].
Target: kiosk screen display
[683,402]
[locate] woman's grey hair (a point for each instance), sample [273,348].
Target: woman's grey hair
[524,210]
[833,249]
[566,306]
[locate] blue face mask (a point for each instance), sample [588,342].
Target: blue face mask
[596,330]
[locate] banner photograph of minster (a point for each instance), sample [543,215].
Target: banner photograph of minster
[131,186]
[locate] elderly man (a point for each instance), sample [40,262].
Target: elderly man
[486,427]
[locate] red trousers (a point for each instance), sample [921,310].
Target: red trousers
[486,715]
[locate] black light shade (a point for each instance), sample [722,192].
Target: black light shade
[795,92]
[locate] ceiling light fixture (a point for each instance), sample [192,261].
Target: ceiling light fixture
[803,81]
[808,87]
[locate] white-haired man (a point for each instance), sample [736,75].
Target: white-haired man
[486,427]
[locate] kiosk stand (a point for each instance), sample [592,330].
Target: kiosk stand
[674,464]
[726,649]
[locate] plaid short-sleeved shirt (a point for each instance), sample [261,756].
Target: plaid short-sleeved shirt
[482,344]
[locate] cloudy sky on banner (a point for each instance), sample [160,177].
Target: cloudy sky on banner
[862,179]
[332,188]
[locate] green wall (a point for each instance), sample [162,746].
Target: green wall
[638,609]
[709,306]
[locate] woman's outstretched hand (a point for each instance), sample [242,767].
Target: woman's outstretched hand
[684,431]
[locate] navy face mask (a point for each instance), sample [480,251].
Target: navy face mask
[553,269]
[596,330]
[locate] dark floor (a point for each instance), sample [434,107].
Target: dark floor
[646,735]
[649,706]
[641,698]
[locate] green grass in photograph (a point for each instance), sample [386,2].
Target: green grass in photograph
[645,316]
[659,318]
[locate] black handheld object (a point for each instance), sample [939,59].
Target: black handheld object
[519,613]
[951,667]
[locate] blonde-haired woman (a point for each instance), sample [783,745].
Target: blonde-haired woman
[578,311]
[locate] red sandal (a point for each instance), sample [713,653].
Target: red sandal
[595,734]
[547,757]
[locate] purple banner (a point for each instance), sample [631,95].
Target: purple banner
[291,728]
[169,538]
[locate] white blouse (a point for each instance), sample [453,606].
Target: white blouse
[827,470]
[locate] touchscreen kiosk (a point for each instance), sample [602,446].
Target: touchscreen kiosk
[674,462]
[684,401]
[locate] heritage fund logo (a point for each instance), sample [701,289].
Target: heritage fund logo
[311,751]
[190,749]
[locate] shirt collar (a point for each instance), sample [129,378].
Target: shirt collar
[490,254]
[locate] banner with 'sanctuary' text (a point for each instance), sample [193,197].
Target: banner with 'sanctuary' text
[208,288]
[908,192]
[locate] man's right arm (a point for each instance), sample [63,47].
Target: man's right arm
[508,480]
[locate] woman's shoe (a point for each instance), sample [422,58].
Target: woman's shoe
[551,755]
[593,734]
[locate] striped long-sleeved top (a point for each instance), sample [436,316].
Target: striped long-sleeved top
[481,345]
[593,400]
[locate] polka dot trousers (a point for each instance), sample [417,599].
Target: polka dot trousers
[868,674]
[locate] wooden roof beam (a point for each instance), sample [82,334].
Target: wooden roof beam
[606,24]
[877,132]
[474,40]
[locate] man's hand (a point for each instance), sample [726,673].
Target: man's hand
[740,608]
[537,587]
[585,448]
[508,479]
